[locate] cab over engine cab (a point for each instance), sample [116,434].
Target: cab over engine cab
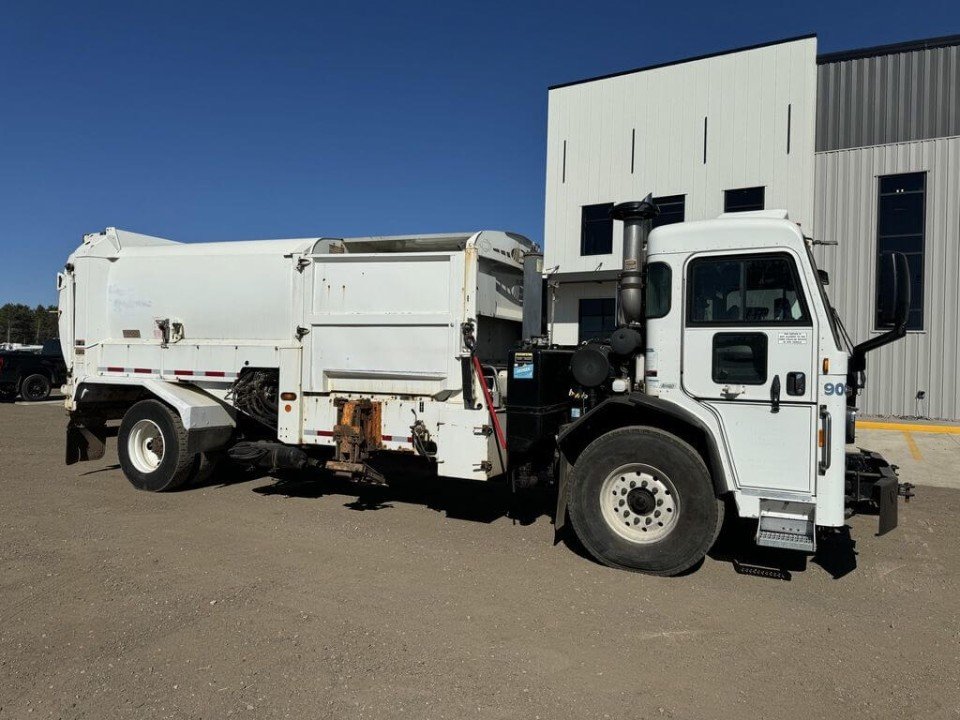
[729,376]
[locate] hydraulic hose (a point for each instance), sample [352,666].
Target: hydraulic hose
[488,399]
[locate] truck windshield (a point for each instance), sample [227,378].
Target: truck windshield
[836,327]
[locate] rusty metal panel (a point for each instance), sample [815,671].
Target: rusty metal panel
[359,429]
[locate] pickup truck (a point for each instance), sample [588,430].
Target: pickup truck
[31,375]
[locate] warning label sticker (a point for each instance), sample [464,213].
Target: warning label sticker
[792,337]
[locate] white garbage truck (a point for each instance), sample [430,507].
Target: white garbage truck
[729,385]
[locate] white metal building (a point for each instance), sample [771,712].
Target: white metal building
[861,148]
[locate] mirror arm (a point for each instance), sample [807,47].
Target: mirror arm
[858,359]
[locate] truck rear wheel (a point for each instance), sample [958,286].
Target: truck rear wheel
[641,499]
[152,445]
[35,388]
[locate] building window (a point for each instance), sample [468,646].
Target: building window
[901,218]
[671,210]
[598,318]
[596,230]
[743,199]
[745,290]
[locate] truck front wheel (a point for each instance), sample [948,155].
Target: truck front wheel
[641,499]
[152,445]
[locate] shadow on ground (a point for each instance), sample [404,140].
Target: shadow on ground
[456,499]
[489,502]
[836,553]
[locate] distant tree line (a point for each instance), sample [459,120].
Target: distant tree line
[29,326]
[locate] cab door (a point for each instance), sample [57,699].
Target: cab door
[749,355]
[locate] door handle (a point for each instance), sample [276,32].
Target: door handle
[775,394]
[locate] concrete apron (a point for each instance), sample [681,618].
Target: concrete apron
[928,453]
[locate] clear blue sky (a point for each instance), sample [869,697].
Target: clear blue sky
[234,120]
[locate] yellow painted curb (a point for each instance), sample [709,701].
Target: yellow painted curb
[909,427]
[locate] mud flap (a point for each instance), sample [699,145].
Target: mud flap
[560,519]
[85,443]
[886,493]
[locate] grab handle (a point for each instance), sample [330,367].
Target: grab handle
[826,439]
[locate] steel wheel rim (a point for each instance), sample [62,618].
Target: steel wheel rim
[639,503]
[145,446]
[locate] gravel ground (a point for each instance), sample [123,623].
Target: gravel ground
[266,600]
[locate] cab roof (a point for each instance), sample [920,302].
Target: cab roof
[759,229]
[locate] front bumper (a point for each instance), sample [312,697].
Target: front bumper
[872,482]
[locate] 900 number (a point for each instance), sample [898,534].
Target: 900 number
[834,389]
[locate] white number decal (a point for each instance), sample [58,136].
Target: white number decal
[834,389]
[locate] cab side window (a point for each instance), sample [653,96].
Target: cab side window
[745,290]
[658,291]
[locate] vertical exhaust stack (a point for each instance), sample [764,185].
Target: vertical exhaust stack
[595,363]
[532,295]
[637,217]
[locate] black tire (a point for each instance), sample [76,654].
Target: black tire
[208,465]
[625,460]
[35,388]
[149,465]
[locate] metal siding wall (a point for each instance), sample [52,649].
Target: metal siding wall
[846,203]
[745,95]
[885,99]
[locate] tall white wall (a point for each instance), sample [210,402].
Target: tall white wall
[743,95]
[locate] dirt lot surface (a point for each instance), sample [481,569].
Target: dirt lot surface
[255,599]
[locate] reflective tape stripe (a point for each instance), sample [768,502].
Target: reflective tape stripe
[177,373]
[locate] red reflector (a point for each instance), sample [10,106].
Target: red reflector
[325,433]
[142,370]
[214,373]
[183,372]
[114,369]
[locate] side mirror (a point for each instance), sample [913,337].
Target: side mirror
[895,276]
[824,277]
